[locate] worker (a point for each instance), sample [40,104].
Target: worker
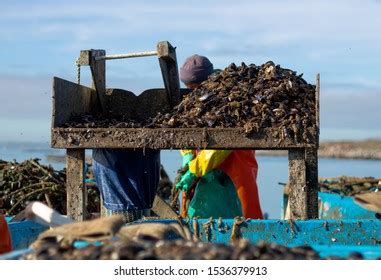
[5,236]
[218,183]
[127,180]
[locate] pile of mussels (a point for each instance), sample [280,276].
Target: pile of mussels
[350,186]
[175,250]
[248,96]
[21,183]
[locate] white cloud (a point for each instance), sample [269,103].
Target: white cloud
[337,38]
[275,19]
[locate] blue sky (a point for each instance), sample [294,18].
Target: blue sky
[339,39]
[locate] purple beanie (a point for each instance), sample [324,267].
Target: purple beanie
[196,69]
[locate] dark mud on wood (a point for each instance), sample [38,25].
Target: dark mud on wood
[173,138]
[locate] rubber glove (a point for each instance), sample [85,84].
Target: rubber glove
[187,158]
[186,181]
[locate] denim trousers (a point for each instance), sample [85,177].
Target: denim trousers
[127,179]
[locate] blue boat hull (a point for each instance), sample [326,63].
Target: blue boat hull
[24,233]
[328,237]
[337,207]
[334,206]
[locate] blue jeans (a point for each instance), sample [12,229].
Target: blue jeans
[127,179]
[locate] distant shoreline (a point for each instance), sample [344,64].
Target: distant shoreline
[363,149]
[369,149]
[348,149]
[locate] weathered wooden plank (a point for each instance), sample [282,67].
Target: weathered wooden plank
[75,186]
[120,102]
[317,104]
[298,187]
[150,102]
[84,58]
[162,209]
[145,105]
[98,72]
[102,208]
[312,183]
[169,138]
[138,107]
[69,100]
[169,70]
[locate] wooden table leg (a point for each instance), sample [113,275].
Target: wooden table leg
[298,186]
[312,183]
[75,186]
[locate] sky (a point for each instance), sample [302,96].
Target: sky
[338,39]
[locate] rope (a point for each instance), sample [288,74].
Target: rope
[78,72]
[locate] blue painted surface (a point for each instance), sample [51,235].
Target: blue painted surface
[328,237]
[337,207]
[311,232]
[81,243]
[24,233]
[342,251]
[334,206]
[15,255]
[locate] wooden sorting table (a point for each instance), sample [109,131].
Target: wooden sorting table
[71,99]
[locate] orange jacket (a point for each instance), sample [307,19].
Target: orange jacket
[5,237]
[242,168]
